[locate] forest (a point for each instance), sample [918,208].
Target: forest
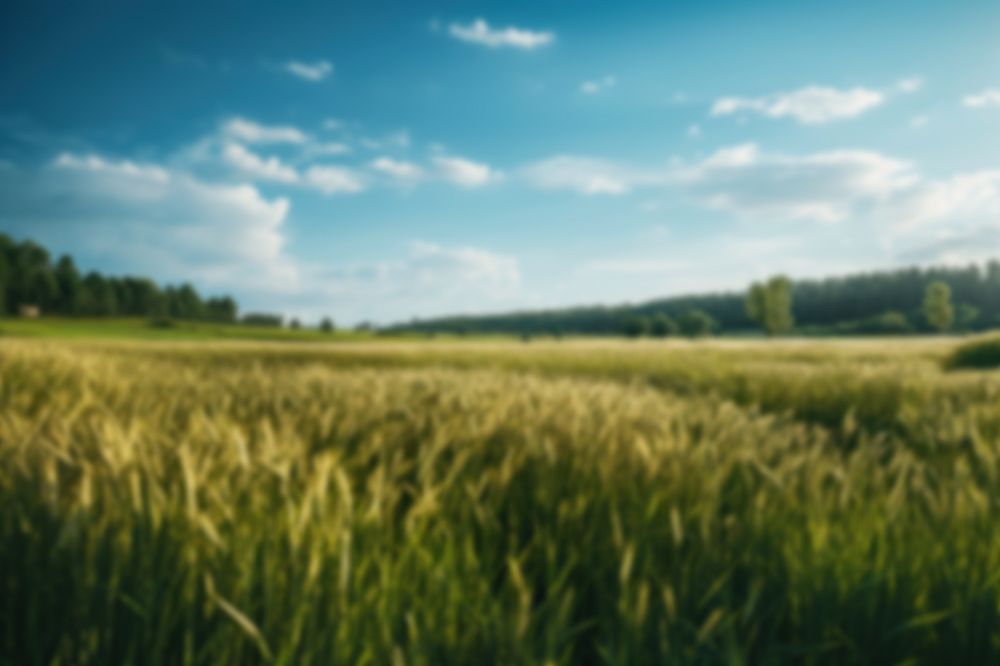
[883,302]
[30,279]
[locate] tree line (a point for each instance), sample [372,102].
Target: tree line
[885,302]
[29,278]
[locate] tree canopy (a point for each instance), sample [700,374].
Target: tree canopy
[28,277]
[938,310]
[770,305]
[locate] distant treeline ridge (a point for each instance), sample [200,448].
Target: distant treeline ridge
[863,303]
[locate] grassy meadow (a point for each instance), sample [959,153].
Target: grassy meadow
[420,503]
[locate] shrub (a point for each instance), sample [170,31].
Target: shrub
[162,322]
[636,327]
[696,323]
[263,319]
[983,353]
[662,326]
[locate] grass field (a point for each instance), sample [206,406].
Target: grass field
[125,328]
[576,502]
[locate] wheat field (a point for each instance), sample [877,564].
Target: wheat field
[508,503]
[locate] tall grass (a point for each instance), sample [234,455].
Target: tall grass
[564,505]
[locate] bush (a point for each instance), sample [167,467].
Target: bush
[162,322]
[983,353]
[263,319]
[662,326]
[696,323]
[636,327]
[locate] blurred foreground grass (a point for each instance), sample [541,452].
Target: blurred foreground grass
[577,503]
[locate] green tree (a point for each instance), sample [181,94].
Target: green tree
[938,310]
[70,286]
[99,296]
[696,323]
[636,327]
[326,325]
[770,305]
[661,325]
[966,315]
[221,309]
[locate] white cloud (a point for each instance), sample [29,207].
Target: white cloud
[826,186]
[163,221]
[598,85]
[398,169]
[398,139]
[138,174]
[916,122]
[431,279]
[965,199]
[480,32]
[331,148]
[430,262]
[910,85]
[989,98]
[636,266]
[334,179]
[464,172]
[255,166]
[314,71]
[587,175]
[249,131]
[955,247]
[812,105]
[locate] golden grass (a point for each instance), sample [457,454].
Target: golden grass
[584,502]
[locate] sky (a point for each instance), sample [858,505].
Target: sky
[380,161]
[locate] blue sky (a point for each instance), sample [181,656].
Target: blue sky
[379,161]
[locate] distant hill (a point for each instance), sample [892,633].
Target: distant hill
[852,304]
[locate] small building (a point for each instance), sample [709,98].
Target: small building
[29,311]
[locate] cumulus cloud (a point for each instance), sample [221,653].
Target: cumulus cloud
[910,85]
[431,278]
[314,71]
[334,179]
[257,167]
[588,175]
[480,32]
[398,169]
[249,131]
[956,247]
[154,219]
[989,98]
[596,86]
[812,105]
[826,186]
[464,172]
[329,148]
[175,226]
[399,139]
[965,199]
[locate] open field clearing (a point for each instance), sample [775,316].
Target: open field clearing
[583,502]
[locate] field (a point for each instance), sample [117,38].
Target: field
[571,502]
[133,328]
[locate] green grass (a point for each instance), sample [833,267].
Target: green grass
[583,502]
[144,329]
